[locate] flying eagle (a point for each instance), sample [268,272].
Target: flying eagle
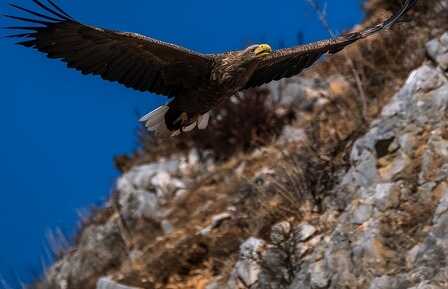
[195,82]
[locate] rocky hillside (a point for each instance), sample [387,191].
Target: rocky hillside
[341,183]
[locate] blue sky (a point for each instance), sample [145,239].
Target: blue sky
[60,130]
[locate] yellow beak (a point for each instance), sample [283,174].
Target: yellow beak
[263,49]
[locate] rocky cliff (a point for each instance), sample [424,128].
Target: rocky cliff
[352,192]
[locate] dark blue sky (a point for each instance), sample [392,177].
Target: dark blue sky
[60,130]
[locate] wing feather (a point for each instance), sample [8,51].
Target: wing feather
[133,60]
[55,7]
[34,13]
[288,62]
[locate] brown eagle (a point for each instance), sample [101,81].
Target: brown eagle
[195,82]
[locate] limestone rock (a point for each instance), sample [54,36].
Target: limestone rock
[438,50]
[107,283]
[248,267]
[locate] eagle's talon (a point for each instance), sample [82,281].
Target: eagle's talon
[189,127]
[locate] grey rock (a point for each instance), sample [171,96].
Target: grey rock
[291,92]
[292,134]
[440,147]
[383,282]
[407,143]
[281,232]
[247,271]
[305,231]
[302,279]
[252,249]
[319,275]
[144,189]
[438,50]
[425,78]
[141,177]
[440,98]
[100,246]
[387,196]
[442,208]
[399,167]
[108,283]
[365,172]
[274,268]
[248,267]
[190,164]
[362,214]
[167,227]
[136,204]
[298,91]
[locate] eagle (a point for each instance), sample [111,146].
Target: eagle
[194,82]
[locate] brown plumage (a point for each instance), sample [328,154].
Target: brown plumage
[196,82]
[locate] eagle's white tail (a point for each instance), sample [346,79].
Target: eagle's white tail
[155,120]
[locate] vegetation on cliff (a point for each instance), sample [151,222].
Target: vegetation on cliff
[333,179]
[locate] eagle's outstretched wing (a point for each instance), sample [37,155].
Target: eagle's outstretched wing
[288,62]
[131,59]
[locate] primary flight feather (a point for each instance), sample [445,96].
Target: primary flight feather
[195,82]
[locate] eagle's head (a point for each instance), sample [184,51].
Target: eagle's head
[256,51]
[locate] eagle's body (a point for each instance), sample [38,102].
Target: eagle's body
[227,77]
[195,82]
